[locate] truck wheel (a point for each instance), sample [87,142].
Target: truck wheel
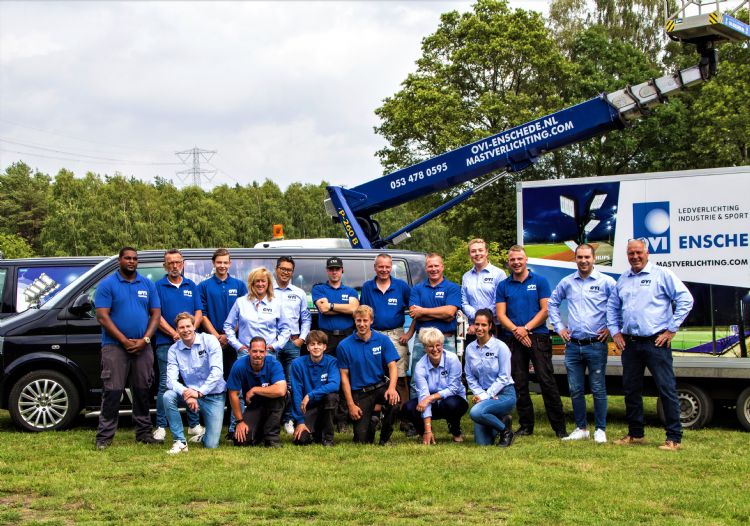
[43,400]
[743,408]
[696,407]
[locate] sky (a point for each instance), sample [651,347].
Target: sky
[283,90]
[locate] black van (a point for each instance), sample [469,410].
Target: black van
[50,356]
[30,282]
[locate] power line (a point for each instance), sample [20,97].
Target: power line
[76,154]
[196,172]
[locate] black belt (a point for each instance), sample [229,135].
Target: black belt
[345,332]
[634,338]
[373,387]
[585,341]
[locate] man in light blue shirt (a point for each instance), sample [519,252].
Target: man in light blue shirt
[587,291]
[197,360]
[479,284]
[642,323]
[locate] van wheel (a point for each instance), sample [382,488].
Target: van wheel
[44,401]
[696,407]
[743,408]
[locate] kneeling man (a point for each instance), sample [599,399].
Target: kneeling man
[260,379]
[315,386]
[197,359]
[364,357]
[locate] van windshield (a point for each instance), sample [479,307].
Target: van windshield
[56,300]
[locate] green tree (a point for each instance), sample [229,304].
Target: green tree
[12,246]
[23,202]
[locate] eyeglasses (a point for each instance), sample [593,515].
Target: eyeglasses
[285,270]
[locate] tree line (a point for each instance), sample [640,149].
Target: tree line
[480,72]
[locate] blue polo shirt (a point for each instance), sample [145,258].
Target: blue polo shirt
[315,380]
[174,300]
[522,299]
[444,293]
[217,298]
[366,361]
[389,305]
[129,303]
[242,377]
[336,322]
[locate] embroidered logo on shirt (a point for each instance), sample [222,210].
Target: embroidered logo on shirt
[376,350]
[187,293]
[232,292]
[489,354]
[393,301]
[201,352]
[345,297]
[594,288]
[267,310]
[531,286]
[143,294]
[645,283]
[488,279]
[324,378]
[265,384]
[443,373]
[440,294]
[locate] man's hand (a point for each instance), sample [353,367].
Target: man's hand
[475,399]
[301,428]
[565,334]
[619,341]
[298,342]
[602,334]
[664,339]
[404,339]
[522,335]
[250,395]
[428,438]
[415,311]
[471,330]
[355,413]
[424,402]
[223,340]
[240,431]
[391,396]
[188,393]
[175,337]
[135,345]
[192,404]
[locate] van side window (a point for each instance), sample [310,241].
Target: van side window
[201,269]
[3,273]
[37,285]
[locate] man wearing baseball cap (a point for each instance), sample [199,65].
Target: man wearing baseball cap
[336,303]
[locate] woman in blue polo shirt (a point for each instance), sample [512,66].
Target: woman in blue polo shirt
[487,370]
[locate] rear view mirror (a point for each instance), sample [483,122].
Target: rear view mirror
[82,305]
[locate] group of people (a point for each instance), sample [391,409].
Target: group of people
[358,369]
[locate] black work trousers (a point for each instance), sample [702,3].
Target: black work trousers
[341,416]
[319,420]
[451,409]
[364,428]
[120,369]
[540,355]
[263,419]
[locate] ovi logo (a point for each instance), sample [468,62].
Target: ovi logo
[651,222]
[187,293]
[393,301]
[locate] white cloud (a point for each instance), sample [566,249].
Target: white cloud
[283,90]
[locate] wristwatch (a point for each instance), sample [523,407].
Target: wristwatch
[527,328]
[147,340]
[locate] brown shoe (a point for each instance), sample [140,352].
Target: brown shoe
[458,438]
[670,445]
[627,440]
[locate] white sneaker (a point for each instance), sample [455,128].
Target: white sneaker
[289,427]
[600,437]
[178,447]
[160,433]
[197,429]
[196,439]
[578,434]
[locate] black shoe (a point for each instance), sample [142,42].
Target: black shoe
[410,431]
[507,421]
[149,440]
[229,436]
[327,443]
[561,433]
[385,443]
[341,428]
[272,445]
[506,438]
[524,431]
[101,446]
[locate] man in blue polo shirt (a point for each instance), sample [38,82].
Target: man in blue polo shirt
[177,294]
[315,383]
[127,307]
[389,298]
[363,359]
[433,303]
[260,380]
[522,311]
[218,293]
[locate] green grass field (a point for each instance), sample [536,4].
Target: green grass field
[540,251]
[58,478]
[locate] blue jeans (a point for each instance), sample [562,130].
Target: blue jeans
[232,421]
[486,415]
[417,352]
[286,356]
[210,406]
[593,357]
[638,355]
[161,415]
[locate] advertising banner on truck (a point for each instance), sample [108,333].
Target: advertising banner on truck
[696,223]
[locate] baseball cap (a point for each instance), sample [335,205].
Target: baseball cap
[334,262]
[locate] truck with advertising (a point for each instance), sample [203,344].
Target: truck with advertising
[697,224]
